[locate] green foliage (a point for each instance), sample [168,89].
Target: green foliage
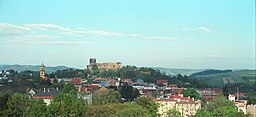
[66,105]
[17,105]
[3,103]
[109,73]
[191,93]
[116,110]
[148,104]
[37,108]
[173,113]
[105,97]
[69,88]
[220,107]
[106,110]
[71,73]
[28,74]
[133,111]
[128,92]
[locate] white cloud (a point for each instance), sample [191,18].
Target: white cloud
[152,37]
[200,29]
[46,27]
[68,43]
[97,33]
[37,32]
[10,30]
[204,29]
[160,38]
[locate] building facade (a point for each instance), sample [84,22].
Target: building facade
[185,105]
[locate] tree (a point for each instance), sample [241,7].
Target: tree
[66,105]
[133,111]
[128,92]
[225,90]
[173,113]
[37,108]
[220,107]
[3,104]
[148,104]
[69,88]
[104,96]
[17,105]
[191,93]
[105,110]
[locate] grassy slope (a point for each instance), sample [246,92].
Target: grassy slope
[216,79]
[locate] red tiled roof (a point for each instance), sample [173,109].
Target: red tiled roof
[173,85]
[161,81]
[186,103]
[43,97]
[46,79]
[179,91]
[175,96]
[100,79]
[76,80]
[240,95]
[91,87]
[163,100]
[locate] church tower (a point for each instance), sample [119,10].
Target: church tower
[42,71]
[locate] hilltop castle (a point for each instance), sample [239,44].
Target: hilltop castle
[103,66]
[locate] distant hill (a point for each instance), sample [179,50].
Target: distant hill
[235,76]
[211,71]
[20,68]
[174,72]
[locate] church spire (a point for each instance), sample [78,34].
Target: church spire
[42,64]
[42,71]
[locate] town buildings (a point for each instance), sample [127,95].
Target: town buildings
[251,110]
[239,100]
[209,94]
[185,105]
[46,94]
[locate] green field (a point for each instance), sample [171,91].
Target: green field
[241,76]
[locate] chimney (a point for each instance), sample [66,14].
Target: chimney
[44,90]
[48,90]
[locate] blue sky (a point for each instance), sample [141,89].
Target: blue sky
[176,33]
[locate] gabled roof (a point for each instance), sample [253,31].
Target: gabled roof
[162,81]
[76,80]
[101,79]
[47,93]
[173,85]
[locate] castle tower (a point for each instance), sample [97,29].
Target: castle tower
[42,71]
[92,61]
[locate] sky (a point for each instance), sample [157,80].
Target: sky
[194,34]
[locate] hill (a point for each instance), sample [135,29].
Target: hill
[220,79]
[211,71]
[174,72]
[20,68]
